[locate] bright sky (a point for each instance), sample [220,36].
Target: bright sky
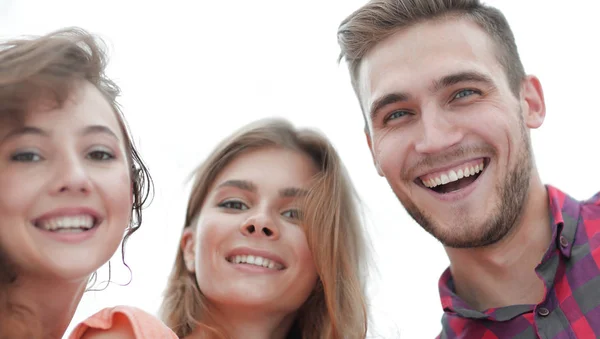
[192,72]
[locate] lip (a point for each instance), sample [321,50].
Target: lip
[449,167]
[461,193]
[69,238]
[257,252]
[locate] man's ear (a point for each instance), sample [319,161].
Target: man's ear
[532,95]
[188,249]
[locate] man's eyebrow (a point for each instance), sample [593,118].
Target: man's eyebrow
[456,78]
[385,100]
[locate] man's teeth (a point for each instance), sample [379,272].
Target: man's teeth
[71,224]
[453,175]
[255,260]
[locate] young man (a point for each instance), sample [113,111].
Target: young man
[448,109]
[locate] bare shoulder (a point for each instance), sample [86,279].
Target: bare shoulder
[121,329]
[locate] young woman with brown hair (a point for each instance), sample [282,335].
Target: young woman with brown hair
[72,185]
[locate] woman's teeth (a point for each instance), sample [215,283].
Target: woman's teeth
[68,224]
[256,261]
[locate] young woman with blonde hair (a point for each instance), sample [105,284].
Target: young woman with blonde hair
[273,245]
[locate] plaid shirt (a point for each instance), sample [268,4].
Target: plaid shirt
[570,270]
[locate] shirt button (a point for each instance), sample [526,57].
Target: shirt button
[542,311]
[563,241]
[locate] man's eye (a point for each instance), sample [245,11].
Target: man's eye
[464,93]
[396,115]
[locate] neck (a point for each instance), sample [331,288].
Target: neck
[503,274]
[51,302]
[248,323]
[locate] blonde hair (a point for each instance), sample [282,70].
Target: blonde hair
[337,309]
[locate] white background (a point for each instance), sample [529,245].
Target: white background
[192,72]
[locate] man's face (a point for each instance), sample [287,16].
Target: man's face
[447,132]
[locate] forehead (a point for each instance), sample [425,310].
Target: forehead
[85,106]
[270,167]
[422,53]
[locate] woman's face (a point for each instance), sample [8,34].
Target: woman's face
[249,249]
[65,188]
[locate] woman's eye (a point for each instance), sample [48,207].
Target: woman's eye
[26,157]
[292,214]
[236,205]
[100,155]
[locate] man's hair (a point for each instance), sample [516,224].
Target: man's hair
[379,19]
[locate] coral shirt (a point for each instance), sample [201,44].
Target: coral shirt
[143,324]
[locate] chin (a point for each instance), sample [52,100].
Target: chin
[69,268]
[61,273]
[246,297]
[468,234]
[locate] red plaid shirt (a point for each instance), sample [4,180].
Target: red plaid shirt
[570,270]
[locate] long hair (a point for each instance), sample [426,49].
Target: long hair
[16,321]
[50,68]
[337,309]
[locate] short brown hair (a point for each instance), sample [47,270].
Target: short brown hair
[50,69]
[337,308]
[379,19]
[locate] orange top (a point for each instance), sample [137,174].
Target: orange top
[143,325]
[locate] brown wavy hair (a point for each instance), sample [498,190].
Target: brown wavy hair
[50,68]
[337,309]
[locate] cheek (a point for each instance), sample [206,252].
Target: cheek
[205,245]
[494,122]
[20,198]
[389,151]
[18,192]
[212,232]
[114,188]
[306,261]
[306,277]
[499,136]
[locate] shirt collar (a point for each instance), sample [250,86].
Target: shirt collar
[564,216]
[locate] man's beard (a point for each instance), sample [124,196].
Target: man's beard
[512,194]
